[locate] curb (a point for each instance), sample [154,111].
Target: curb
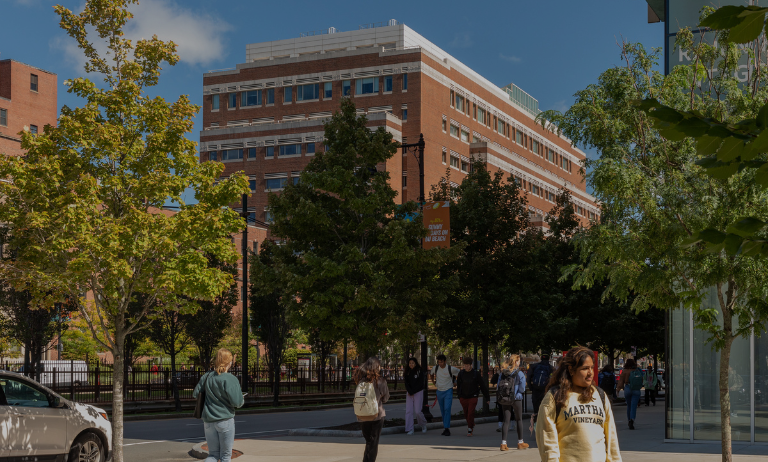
[388,430]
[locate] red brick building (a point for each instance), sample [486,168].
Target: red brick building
[265,117]
[27,100]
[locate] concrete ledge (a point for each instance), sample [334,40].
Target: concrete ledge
[388,430]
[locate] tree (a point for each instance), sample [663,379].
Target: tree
[168,330]
[88,195]
[656,197]
[79,344]
[362,272]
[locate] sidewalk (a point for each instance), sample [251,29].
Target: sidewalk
[645,444]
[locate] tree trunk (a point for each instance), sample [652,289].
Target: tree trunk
[486,403]
[725,397]
[611,356]
[276,384]
[117,399]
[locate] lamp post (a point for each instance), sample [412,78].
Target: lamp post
[244,297]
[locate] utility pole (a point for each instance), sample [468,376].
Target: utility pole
[244,297]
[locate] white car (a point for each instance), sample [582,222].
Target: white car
[37,424]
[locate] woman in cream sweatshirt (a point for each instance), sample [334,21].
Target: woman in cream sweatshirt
[575,421]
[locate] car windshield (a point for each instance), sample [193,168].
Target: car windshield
[21,391]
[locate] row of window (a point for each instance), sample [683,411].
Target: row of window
[4,121]
[308,92]
[269,152]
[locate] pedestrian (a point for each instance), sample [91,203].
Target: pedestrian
[538,378]
[510,393]
[650,381]
[576,422]
[414,386]
[371,372]
[632,380]
[469,384]
[606,380]
[443,376]
[495,382]
[222,397]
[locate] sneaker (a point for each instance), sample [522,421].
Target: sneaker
[522,445]
[423,429]
[631,424]
[446,432]
[504,447]
[469,431]
[498,429]
[410,433]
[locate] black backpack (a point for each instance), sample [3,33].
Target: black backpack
[505,389]
[541,376]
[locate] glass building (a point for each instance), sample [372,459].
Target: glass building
[692,394]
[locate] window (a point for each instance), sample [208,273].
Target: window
[535,147]
[251,154]
[367,86]
[268,217]
[18,393]
[288,94]
[4,117]
[444,124]
[405,82]
[295,180]
[290,150]
[454,162]
[308,92]
[250,98]
[232,100]
[252,184]
[535,189]
[519,137]
[564,163]
[33,129]
[453,97]
[464,166]
[212,155]
[270,95]
[465,136]
[475,139]
[405,180]
[270,152]
[500,125]
[388,83]
[252,219]
[459,103]
[551,155]
[328,93]
[481,115]
[310,148]
[345,87]
[275,183]
[215,102]
[455,131]
[405,115]
[33,82]
[231,154]
[443,157]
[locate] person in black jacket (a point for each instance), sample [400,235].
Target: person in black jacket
[415,382]
[469,384]
[538,374]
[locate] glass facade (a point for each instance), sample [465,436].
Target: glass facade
[692,393]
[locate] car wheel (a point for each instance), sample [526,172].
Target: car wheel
[87,448]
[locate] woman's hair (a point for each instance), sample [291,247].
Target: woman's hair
[630,364]
[607,368]
[223,359]
[563,376]
[511,361]
[408,370]
[369,371]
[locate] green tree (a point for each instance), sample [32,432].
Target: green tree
[362,271]
[89,192]
[655,197]
[79,344]
[169,331]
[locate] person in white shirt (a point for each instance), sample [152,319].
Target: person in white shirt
[443,376]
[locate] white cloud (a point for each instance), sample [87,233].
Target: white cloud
[462,40]
[510,58]
[198,36]
[561,106]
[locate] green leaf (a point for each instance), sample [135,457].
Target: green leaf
[749,28]
[762,117]
[707,145]
[747,226]
[732,243]
[757,146]
[670,132]
[667,114]
[723,172]
[724,17]
[731,149]
[712,236]
[646,104]
[690,241]
[708,162]
[693,126]
[750,248]
[720,131]
[761,177]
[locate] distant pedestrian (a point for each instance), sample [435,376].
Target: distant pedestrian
[495,381]
[469,384]
[415,382]
[632,380]
[538,378]
[576,422]
[370,373]
[510,393]
[222,397]
[606,380]
[443,376]
[650,382]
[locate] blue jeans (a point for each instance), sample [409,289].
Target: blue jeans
[445,400]
[632,397]
[220,437]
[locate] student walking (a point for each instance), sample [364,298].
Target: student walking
[576,422]
[442,377]
[606,380]
[414,387]
[538,378]
[469,384]
[510,392]
[222,397]
[368,377]
[650,382]
[632,380]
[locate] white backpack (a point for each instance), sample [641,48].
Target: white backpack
[365,402]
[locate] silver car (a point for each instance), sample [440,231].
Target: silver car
[37,424]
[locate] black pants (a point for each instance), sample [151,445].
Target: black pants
[518,412]
[371,433]
[501,412]
[537,396]
[652,395]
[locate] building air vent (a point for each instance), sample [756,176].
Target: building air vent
[366,73]
[234,88]
[327,77]
[307,80]
[388,71]
[235,123]
[268,176]
[287,83]
[269,142]
[232,146]
[250,87]
[345,76]
[380,109]
[269,84]
[253,144]
[263,120]
[289,141]
[287,118]
[319,115]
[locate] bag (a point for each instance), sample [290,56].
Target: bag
[505,390]
[200,403]
[635,380]
[365,402]
[541,377]
[609,382]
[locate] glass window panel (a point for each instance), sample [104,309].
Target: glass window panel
[519,137]
[295,180]
[455,131]
[761,388]
[18,393]
[328,89]
[270,151]
[444,124]
[270,96]
[251,153]
[33,129]
[250,98]
[212,155]
[367,86]
[405,114]
[464,136]
[252,184]
[288,94]
[405,81]
[459,103]
[308,92]
[215,102]
[310,148]
[276,183]
[388,83]
[345,87]
[33,82]
[677,376]
[290,149]
[233,100]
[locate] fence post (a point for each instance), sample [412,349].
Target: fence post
[167,388]
[97,383]
[55,380]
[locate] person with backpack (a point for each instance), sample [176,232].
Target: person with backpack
[414,387]
[606,380]
[650,382]
[538,378]
[222,397]
[370,395]
[576,422]
[631,379]
[510,392]
[443,376]
[469,384]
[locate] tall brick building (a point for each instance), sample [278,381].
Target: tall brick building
[27,99]
[265,117]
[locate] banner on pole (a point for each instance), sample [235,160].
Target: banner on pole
[437,220]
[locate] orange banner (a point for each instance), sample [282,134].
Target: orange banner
[437,220]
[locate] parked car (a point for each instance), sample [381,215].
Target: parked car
[38,424]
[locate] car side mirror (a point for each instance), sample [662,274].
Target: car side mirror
[56,402]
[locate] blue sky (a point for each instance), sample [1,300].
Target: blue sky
[551,49]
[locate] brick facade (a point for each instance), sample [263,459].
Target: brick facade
[25,106]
